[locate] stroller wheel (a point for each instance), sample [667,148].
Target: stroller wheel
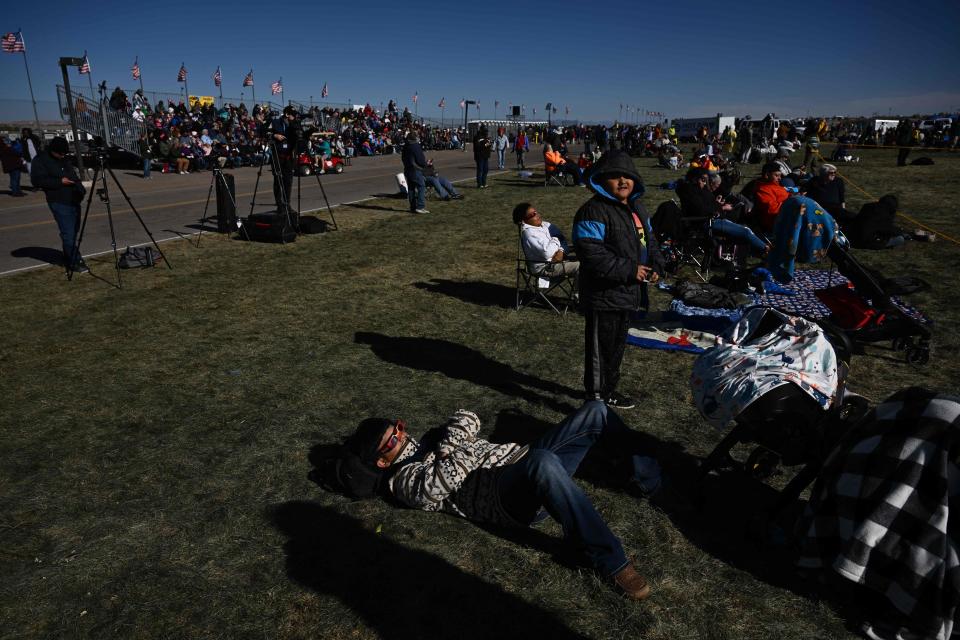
[900,343]
[918,355]
[762,463]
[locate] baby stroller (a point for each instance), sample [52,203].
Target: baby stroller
[869,313]
[780,381]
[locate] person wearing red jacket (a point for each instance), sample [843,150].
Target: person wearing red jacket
[769,197]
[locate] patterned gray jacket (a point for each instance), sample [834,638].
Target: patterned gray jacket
[459,476]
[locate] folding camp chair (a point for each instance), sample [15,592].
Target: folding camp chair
[556,177]
[555,292]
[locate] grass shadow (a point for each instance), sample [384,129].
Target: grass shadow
[463,363]
[484,294]
[532,182]
[376,207]
[398,591]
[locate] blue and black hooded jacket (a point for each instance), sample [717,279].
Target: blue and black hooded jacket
[607,243]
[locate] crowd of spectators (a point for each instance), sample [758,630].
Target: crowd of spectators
[183,138]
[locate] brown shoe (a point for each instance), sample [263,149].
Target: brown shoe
[630,583]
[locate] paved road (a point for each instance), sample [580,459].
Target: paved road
[171,205]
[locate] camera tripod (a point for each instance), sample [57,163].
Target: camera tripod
[333,220]
[217,176]
[276,169]
[100,171]
[278,180]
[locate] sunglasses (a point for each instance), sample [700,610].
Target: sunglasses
[398,428]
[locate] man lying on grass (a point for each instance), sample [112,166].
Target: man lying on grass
[454,471]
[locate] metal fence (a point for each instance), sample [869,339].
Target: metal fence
[94,116]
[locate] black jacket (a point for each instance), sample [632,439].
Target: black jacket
[46,172]
[608,245]
[481,147]
[696,201]
[873,226]
[413,158]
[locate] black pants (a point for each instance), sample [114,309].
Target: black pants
[902,156]
[283,180]
[605,337]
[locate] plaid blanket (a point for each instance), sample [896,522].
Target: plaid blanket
[879,514]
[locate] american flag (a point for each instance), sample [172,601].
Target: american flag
[496,104]
[135,69]
[443,103]
[85,67]
[567,109]
[323,92]
[277,87]
[534,111]
[182,74]
[416,97]
[217,78]
[13,43]
[248,80]
[463,103]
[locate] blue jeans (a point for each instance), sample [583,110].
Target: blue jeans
[146,167]
[441,185]
[501,158]
[483,165]
[543,478]
[574,170]
[739,231]
[416,190]
[67,217]
[15,182]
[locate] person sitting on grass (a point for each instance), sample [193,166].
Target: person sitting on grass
[543,243]
[767,195]
[454,471]
[553,162]
[829,191]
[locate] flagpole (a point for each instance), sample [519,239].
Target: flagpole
[136,61]
[221,85]
[36,117]
[186,87]
[253,92]
[282,99]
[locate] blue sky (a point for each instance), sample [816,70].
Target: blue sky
[681,58]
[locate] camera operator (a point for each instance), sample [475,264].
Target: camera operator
[285,134]
[59,180]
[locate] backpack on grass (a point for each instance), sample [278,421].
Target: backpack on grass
[139,258]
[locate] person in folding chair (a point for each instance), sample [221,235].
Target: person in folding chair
[554,164]
[543,243]
[618,255]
